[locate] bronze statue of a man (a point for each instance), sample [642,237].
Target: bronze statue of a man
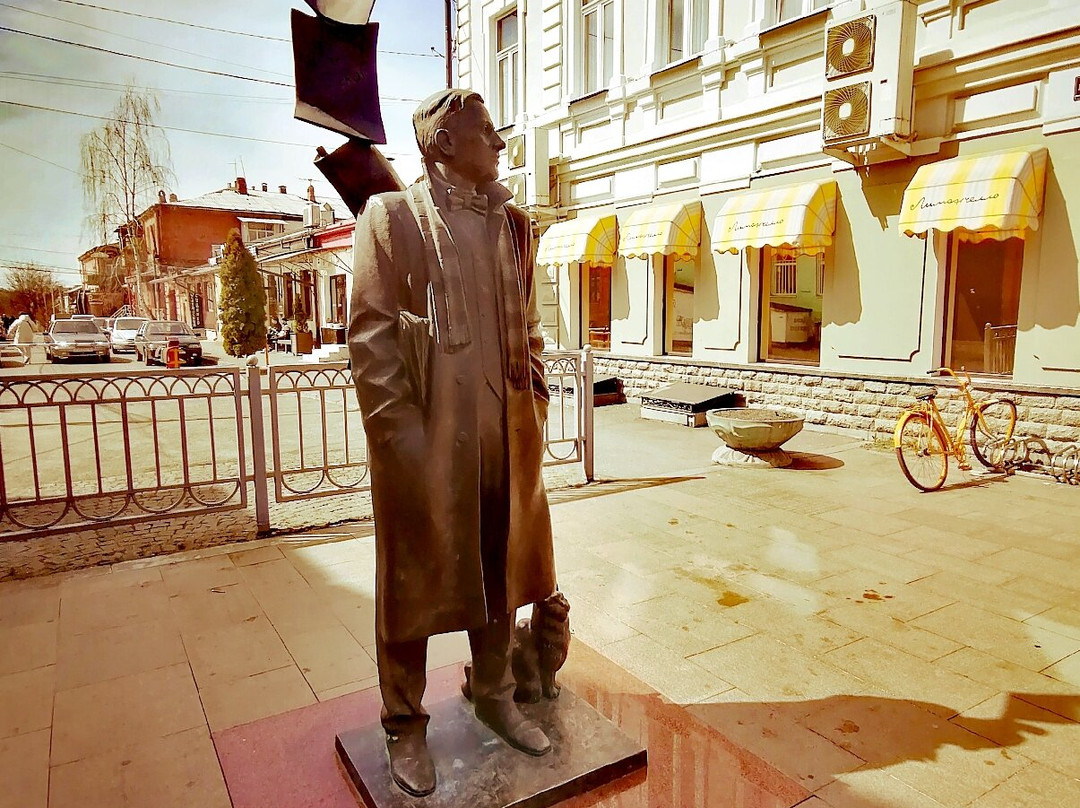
[445,348]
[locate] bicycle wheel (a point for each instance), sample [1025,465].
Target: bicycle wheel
[920,451]
[991,430]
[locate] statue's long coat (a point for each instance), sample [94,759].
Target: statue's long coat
[424,462]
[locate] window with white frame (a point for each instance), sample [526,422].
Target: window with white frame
[687,28]
[507,67]
[785,279]
[253,231]
[820,287]
[598,43]
[792,9]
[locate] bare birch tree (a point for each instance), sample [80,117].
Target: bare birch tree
[124,162]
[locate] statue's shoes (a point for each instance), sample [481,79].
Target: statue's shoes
[506,720]
[410,763]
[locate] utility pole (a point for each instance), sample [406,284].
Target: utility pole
[449,47]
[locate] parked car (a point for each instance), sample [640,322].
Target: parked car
[103,325]
[123,333]
[153,338]
[67,339]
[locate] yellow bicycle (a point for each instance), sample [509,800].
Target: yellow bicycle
[924,443]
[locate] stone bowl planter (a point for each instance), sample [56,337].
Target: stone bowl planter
[753,435]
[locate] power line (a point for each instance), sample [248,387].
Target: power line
[111,86]
[34,267]
[99,84]
[142,41]
[168,64]
[169,128]
[157,126]
[35,249]
[225,30]
[174,22]
[144,58]
[42,159]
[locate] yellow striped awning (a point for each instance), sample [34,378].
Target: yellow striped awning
[800,217]
[996,196]
[588,239]
[673,228]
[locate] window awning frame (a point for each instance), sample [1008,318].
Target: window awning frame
[589,239]
[667,228]
[798,218]
[983,196]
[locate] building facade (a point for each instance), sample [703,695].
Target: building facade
[307,276]
[813,202]
[101,291]
[176,237]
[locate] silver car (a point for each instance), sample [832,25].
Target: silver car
[123,333]
[67,339]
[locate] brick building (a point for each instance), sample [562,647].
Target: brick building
[177,236]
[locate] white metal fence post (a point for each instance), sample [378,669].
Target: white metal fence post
[258,450]
[587,416]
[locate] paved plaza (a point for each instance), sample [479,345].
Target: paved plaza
[845,640]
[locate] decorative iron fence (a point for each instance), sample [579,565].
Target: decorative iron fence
[117,448]
[568,436]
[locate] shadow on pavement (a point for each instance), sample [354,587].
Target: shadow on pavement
[884,733]
[980,481]
[802,461]
[599,488]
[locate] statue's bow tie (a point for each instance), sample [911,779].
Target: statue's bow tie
[468,200]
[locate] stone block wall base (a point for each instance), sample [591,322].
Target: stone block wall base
[864,404]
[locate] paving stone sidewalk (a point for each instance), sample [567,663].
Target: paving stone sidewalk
[879,646]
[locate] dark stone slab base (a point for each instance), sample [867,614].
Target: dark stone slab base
[685,403]
[477,768]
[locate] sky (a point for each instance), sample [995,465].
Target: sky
[236,127]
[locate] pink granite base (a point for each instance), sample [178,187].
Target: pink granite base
[289,760]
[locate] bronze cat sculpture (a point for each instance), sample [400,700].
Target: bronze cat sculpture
[538,650]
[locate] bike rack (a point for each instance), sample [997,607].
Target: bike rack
[1032,454]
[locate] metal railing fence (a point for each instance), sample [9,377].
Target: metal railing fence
[115,448]
[119,448]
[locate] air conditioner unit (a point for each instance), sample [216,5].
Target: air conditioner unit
[868,76]
[527,168]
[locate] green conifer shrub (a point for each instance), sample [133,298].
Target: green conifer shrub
[242,308]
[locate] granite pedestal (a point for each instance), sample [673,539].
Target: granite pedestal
[476,768]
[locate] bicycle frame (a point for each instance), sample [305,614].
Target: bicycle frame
[957,445]
[912,451]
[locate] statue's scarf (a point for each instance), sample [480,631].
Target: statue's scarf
[450,315]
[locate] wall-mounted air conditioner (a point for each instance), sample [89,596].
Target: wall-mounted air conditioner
[868,76]
[527,168]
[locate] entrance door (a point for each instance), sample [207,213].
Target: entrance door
[337,299]
[984,305]
[679,306]
[599,307]
[196,306]
[792,287]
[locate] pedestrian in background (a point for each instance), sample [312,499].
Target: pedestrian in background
[22,334]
